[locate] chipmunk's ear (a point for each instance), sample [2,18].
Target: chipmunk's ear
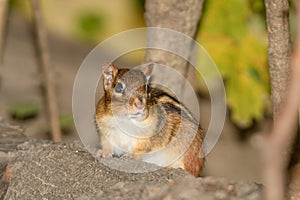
[147,70]
[109,74]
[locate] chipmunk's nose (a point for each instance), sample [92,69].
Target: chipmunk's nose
[139,102]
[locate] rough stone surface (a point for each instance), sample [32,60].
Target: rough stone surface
[37,169]
[10,136]
[47,170]
[42,169]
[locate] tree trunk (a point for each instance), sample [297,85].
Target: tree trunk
[279,49]
[182,16]
[279,54]
[285,98]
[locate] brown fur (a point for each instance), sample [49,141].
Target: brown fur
[171,122]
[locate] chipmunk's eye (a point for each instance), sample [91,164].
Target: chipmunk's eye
[119,88]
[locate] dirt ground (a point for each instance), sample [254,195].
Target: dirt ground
[230,158]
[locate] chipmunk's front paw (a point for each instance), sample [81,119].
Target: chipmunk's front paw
[103,154]
[130,156]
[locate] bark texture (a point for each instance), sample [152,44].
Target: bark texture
[36,169]
[279,50]
[182,16]
[286,99]
[10,136]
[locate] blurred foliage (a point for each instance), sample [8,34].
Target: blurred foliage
[66,123]
[89,25]
[292,18]
[21,7]
[140,5]
[24,110]
[234,33]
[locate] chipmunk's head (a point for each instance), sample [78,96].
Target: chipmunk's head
[127,90]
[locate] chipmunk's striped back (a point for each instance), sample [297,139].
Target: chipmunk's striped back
[160,129]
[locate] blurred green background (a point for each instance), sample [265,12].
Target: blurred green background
[233,33]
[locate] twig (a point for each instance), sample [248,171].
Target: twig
[276,146]
[3,17]
[43,53]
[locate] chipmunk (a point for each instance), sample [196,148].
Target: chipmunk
[137,118]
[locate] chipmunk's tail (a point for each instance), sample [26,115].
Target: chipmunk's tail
[193,158]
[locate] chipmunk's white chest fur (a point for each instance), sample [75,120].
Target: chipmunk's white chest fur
[123,134]
[120,133]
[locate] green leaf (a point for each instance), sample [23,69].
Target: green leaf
[234,36]
[24,110]
[89,25]
[66,122]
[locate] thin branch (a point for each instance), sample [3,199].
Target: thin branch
[48,74]
[275,151]
[3,17]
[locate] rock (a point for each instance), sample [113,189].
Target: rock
[10,136]
[37,169]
